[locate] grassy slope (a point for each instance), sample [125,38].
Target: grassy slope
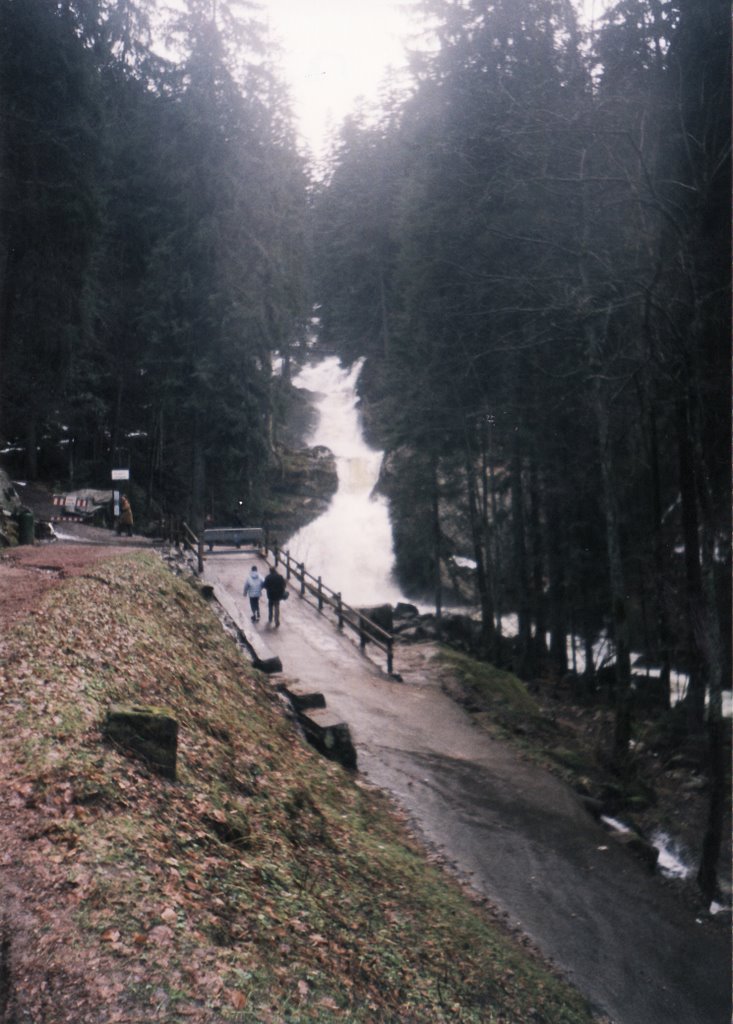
[264,885]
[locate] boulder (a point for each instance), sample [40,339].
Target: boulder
[148,733]
[412,633]
[301,701]
[382,615]
[329,736]
[10,502]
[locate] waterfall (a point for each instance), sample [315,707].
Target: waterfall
[350,545]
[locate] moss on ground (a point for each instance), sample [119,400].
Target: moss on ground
[493,690]
[265,884]
[503,706]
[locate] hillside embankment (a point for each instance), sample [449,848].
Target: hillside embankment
[264,885]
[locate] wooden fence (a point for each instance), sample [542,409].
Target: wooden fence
[313,590]
[189,540]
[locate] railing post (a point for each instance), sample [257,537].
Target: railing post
[320,594]
[200,554]
[390,653]
[301,566]
[287,565]
[276,554]
[339,611]
[362,633]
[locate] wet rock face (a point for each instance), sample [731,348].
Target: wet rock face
[458,631]
[10,502]
[10,506]
[301,490]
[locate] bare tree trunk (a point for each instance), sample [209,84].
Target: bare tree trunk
[198,476]
[520,563]
[497,593]
[538,573]
[435,500]
[558,656]
[622,734]
[488,631]
[31,446]
[695,699]
[663,631]
[594,353]
[710,641]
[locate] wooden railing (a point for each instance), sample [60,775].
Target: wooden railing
[196,544]
[313,590]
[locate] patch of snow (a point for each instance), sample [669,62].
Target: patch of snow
[672,857]
[464,563]
[510,625]
[615,825]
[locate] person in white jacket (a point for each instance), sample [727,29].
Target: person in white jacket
[253,587]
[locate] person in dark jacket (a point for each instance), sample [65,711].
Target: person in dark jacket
[275,587]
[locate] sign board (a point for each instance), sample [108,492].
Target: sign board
[120,474]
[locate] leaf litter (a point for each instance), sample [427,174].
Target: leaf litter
[264,885]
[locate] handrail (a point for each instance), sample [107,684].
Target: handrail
[190,540]
[313,587]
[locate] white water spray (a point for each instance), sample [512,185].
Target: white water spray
[350,545]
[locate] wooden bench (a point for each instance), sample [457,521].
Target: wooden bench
[235,536]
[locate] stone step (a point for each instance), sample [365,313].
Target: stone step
[301,699]
[330,736]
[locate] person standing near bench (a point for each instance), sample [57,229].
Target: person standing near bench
[253,587]
[124,523]
[275,587]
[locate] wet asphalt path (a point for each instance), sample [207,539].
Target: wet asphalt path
[618,933]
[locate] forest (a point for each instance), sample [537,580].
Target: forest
[532,252]
[529,247]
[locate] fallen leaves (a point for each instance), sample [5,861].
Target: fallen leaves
[237,999]
[349,926]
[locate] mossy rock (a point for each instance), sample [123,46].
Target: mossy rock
[149,733]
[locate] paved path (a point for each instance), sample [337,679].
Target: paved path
[617,932]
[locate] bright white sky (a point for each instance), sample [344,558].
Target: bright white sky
[338,50]
[334,52]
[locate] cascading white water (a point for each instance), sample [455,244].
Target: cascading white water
[350,545]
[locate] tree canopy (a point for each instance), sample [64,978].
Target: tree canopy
[539,276]
[151,246]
